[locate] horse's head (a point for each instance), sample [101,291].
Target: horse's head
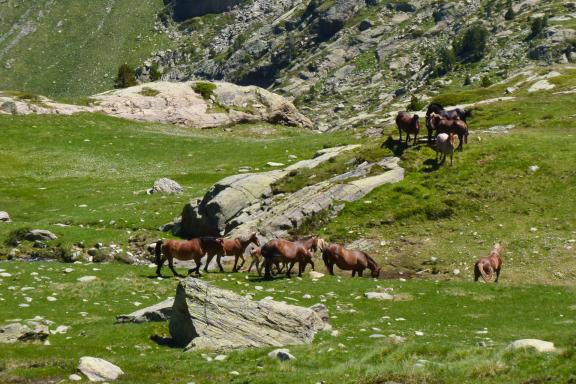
[322,244]
[255,251]
[416,122]
[452,139]
[220,241]
[254,239]
[376,273]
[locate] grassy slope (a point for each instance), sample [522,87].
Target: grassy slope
[52,165]
[494,315]
[80,57]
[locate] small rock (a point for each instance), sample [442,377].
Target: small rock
[87,279]
[51,298]
[377,336]
[533,168]
[539,345]
[533,229]
[70,270]
[307,296]
[74,377]
[334,333]
[419,333]
[40,234]
[165,185]
[4,217]
[281,354]
[379,296]
[234,373]
[315,275]
[97,369]
[394,339]
[5,274]
[274,164]
[456,272]
[220,357]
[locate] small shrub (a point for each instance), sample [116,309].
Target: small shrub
[467,80]
[415,104]
[148,92]
[206,90]
[537,27]
[155,73]
[510,14]
[471,47]
[17,235]
[447,61]
[126,77]
[485,82]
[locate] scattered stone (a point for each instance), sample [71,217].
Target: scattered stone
[210,318]
[394,339]
[315,275]
[70,270]
[168,186]
[96,369]
[61,329]
[51,298]
[74,377]
[4,217]
[5,274]
[533,168]
[334,333]
[377,336]
[274,164]
[40,234]
[87,279]
[419,333]
[281,354]
[157,312]
[456,272]
[539,345]
[234,373]
[220,357]
[379,296]
[533,229]
[15,332]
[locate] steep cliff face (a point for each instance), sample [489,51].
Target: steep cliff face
[185,9]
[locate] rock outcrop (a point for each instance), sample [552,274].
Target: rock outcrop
[215,213]
[209,318]
[97,369]
[175,103]
[16,332]
[40,234]
[5,217]
[185,9]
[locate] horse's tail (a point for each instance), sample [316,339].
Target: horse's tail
[485,276]
[158,251]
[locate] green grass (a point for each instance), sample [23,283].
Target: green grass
[76,47]
[491,314]
[107,163]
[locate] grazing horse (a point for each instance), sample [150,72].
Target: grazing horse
[233,247]
[486,266]
[179,249]
[409,124]
[285,251]
[356,261]
[453,114]
[457,127]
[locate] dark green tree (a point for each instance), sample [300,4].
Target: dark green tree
[126,77]
[471,46]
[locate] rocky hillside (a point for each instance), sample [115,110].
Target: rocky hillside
[349,60]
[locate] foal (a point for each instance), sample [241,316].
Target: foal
[486,266]
[233,247]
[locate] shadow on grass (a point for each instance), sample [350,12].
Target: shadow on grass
[166,342]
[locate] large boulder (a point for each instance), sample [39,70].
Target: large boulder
[208,318]
[97,369]
[215,214]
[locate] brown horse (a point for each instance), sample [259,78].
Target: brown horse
[311,244]
[486,266]
[457,127]
[409,124]
[285,251]
[256,254]
[233,247]
[356,261]
[169,250]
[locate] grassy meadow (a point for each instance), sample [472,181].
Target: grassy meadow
[89,172]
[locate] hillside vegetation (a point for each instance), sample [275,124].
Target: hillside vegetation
[74,48]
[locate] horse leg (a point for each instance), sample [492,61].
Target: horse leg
[158,272]
[452,158]
[171,265]
[331,268]
[400,133]
[407,138]
[415,138]
[209,258]
[267,269]
[243,261]
[360,272]
[477,273]
[235,263]
[497,275]
[301,267]
[461,142]
[219,262]
[353,272]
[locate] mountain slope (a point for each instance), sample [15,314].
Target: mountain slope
[72,48]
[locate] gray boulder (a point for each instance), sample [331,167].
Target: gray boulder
[97,369]
[40,234]
[281,354]
[539,345]
[165,185]
[208,318]
[157,312]
[4,217]
[16,332]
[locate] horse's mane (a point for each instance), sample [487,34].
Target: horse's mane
[371,261]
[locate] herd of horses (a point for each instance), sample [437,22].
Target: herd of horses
[281,254]
[278,254]
[438,121]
